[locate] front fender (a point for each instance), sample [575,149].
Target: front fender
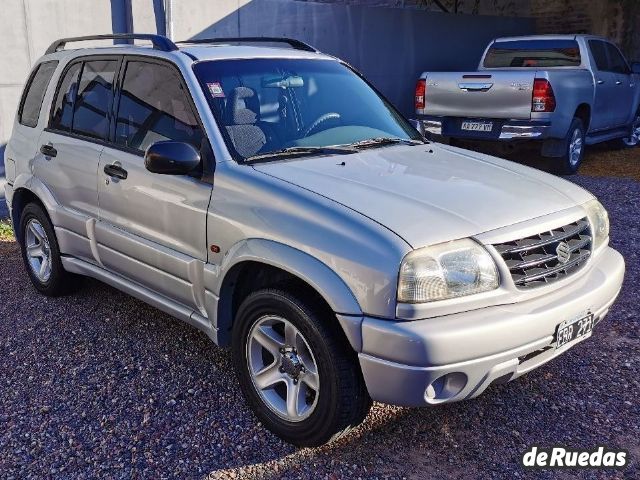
[296,262]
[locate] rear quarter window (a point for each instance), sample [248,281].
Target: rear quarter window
[31,103]
[533,53]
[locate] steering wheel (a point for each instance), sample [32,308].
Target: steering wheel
[320,120]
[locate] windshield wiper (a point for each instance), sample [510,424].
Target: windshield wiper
[381,141]
[300,151]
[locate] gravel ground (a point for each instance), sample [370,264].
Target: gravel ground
[100,385]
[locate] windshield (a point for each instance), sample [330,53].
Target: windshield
[533,53]
[267,107]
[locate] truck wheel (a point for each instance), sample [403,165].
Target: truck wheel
[570,162]
[296,370]
[41,253]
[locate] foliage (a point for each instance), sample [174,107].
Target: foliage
[6,231]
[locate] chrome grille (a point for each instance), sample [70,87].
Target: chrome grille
[534,261]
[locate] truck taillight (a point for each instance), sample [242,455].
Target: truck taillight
[421,91]
[543,98]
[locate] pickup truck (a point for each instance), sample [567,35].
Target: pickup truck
[566,91]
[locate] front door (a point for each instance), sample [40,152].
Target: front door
[152,227]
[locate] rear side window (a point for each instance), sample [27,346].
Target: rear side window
[616,60]
[95,93]
[153,107]
[34,94]
[62,115]
[599,52]
[533,53]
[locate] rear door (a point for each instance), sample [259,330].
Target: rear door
[70,147]
[624,107]
[152,227]
[488,94]
[23,145]
[603,115]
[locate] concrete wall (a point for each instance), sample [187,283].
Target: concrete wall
[27,27]
[391,46]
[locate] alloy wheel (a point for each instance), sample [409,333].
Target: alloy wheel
[575,147]
[38,250]
[283,368]
[634,138]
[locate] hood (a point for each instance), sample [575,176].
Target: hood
[431,193]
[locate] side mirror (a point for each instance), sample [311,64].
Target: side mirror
[171,158]
[635,67]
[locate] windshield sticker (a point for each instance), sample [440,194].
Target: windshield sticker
[216,89]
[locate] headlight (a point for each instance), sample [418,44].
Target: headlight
[599,219]
[447,270]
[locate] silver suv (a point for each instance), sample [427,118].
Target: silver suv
[266,194]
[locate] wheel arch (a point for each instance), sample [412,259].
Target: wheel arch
[29,190]
[583,112]
[257,263]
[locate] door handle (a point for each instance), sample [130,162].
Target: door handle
[618,82]
[48,150]
[600,82]
[116,171]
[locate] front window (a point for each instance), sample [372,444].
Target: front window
[269,107]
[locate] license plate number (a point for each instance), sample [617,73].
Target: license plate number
[477,126]
[571,330]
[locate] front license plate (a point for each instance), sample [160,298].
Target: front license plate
[570,330]
[477,126]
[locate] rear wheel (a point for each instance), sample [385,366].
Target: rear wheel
[570,162]
[41,253]
[296,370]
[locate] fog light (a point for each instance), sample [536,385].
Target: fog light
[445,387]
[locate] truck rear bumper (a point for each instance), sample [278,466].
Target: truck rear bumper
[456,357]
[502,129]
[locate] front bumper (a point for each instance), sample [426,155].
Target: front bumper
[456,357]
[502,129]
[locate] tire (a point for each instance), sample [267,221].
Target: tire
[37,235]
[573,155]
[340,400]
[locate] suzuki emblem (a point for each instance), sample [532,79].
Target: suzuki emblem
[563,250]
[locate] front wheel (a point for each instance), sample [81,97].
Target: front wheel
[570,162]
[296,370]
[633,139]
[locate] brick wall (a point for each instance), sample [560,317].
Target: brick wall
[618,20]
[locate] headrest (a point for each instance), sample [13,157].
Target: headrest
[243,107]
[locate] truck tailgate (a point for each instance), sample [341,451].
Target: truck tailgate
[489,94]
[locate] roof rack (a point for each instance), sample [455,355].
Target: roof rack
[159,42]
[296,44]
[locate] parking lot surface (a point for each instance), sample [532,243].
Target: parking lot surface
[100,385]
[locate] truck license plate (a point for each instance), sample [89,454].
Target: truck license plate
[477,126]
[571,330]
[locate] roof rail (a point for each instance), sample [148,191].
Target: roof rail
[296,44]
[159,42]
